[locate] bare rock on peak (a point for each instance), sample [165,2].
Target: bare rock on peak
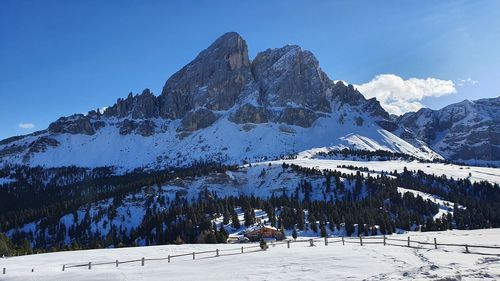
[290,75]
[215,79]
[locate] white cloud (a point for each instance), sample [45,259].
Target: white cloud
[26,126]
[463,82]
[399,96]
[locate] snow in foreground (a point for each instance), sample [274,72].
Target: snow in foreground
[300,262]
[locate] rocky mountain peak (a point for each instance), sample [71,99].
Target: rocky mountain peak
[232,48]
[215,79]
[290,76]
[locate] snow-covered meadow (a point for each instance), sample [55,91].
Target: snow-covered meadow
[473,173]
[299,262]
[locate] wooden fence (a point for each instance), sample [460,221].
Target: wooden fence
[380,240]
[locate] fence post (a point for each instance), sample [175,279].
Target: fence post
[408,241]
[242,249]
[361,240]
[311,242]
[193,255]
[116,263]
[64,267]
[435,243]
[4,270]
[90,265]
[343,243]
[168,258]
[142,261]
[384,240]
[217,252]
[467,248]
[288,244]
[326,241]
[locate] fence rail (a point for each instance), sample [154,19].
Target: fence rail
[379,240]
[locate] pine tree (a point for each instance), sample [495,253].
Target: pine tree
[235,221]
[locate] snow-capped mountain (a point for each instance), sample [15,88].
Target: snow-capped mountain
[468,131]
[220,107]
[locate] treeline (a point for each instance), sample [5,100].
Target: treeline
[29,200]
[378,155]
[373,204]
[349,203]
[480,199]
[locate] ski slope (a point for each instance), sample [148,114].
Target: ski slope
[300,262]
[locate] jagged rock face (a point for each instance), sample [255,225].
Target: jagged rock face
[302,117]
[373,106]
[215,79]
[462,131]
[248,113]
[199,119]
[288,76]
[144,105]
[75,124]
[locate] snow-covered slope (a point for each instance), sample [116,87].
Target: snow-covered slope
[299,262]
[224,141]
[473,173]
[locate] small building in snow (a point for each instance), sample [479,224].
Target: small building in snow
[264,232]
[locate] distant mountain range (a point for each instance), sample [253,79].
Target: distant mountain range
[223,107]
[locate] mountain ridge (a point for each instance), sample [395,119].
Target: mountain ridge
[223,106]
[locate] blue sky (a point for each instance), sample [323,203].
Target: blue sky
[63,57]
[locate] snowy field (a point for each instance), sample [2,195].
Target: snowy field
[300,262]
[473,173]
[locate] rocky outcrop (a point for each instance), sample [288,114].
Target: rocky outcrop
[140,106]
[373,107]
[127,127]
[41,144]
[198,119]
[290,76]
[302,117]
[75,124]
[144,128]
[347,94]
[248,113]
[215,79]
